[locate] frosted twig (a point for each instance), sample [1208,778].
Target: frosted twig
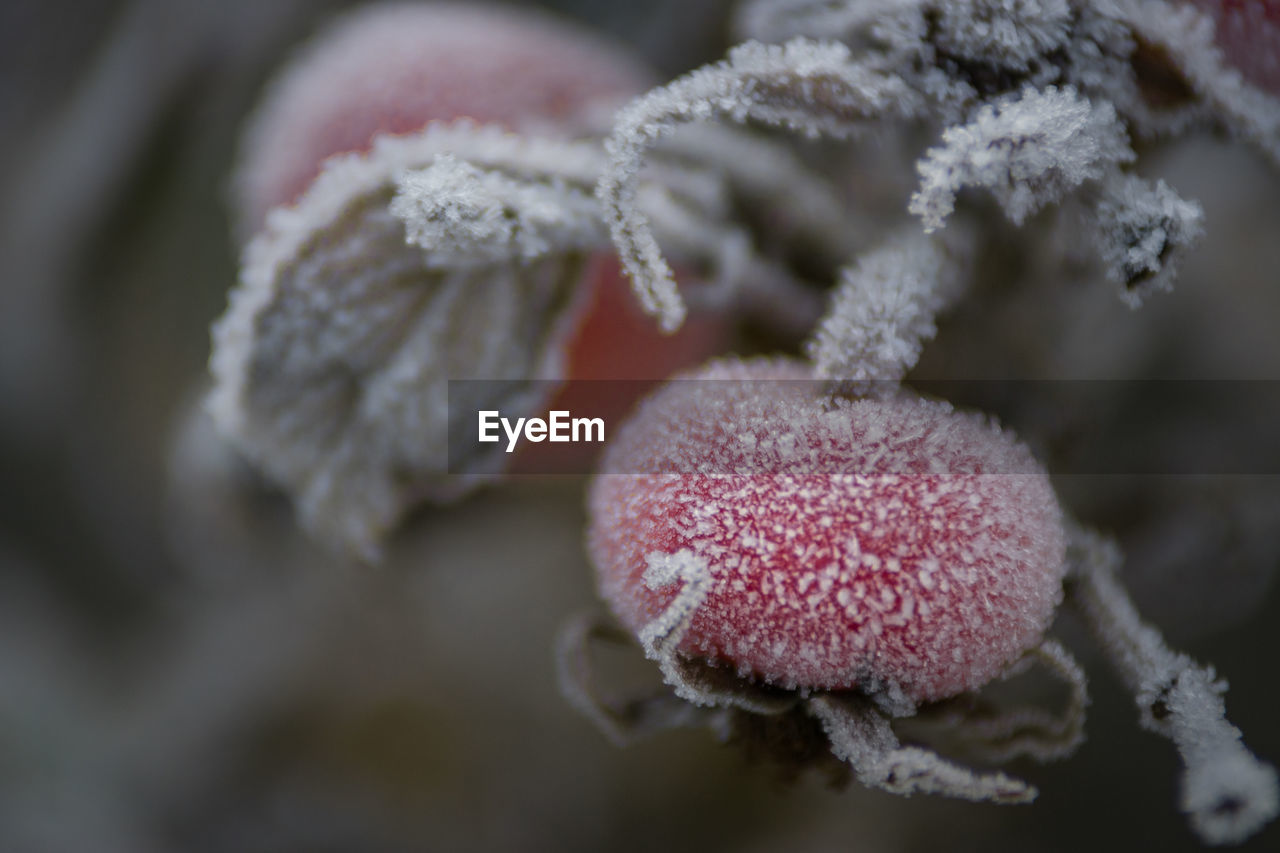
[863,737]
[805,86]
[625,721]
[1143,231]
[883,311]
[1029,152]
[1226,791]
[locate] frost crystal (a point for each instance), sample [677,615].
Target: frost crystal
[461,216]
[1143,231]
[1028,152]
[883,311]
[864,739]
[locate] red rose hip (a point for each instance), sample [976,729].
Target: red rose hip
[877,544]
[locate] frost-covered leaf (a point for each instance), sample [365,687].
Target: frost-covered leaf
[1028,152]
[1143,231]
[883,311]
[461,216]
[805,86]
[331,365]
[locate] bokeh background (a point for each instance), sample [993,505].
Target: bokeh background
[180,670]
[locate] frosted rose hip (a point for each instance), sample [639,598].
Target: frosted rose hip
[865,543]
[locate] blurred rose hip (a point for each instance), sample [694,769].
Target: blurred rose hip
[1248,31]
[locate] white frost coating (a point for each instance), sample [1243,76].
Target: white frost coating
[331,363]
[883,311]
[1143,232]
[865,543]
[1011,32]
[461,216]
[1227,792]
[863,737]
[664,570]
[1028,152]
[805,86]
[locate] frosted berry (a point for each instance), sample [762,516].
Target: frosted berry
[394,67]
[875,544]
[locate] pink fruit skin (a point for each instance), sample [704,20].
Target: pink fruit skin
[1248,31]
[896,542]
[392,68]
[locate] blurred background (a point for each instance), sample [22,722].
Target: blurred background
[181,670]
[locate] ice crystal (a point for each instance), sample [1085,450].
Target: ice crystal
[331,363]
[1028,152]
[461,216]
[1142,232]
[864,738]
[883,311]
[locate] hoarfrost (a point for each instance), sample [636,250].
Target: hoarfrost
[883,311]
[331,363]
[461,216]
[805,86]
[1029,152]
[864,738]
[1143,232]
[1227,792]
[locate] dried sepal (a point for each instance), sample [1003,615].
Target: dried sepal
[332,360]
[862,736]
[1227,792]
[998,734]
[778,20]
[805,86]
[622,720]
[1183,37]
[1028,152]
[883,311]
[1142,231]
